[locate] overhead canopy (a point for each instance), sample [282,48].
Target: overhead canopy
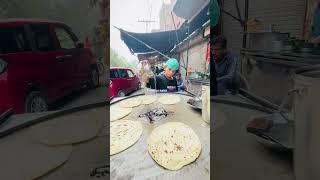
[161,41]
[187,9]
[167,40]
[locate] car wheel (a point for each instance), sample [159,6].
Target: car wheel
[36,102]
[121,93]
[94,78]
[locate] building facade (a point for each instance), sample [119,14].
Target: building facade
[166,22]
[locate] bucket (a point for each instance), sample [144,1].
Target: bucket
[307,123]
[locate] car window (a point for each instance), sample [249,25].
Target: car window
[13,39]
[114,74]
[130,73]
[42,37]
[122,73]
[65,39]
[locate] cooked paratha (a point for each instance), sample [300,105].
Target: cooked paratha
[130,102]
[174,145]
[169,99]
[117,112]
[123,134]
[149,99]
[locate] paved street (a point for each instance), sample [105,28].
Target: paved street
[84,96]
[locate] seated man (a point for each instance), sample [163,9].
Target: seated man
[225,65]
[165,81]
[180,83]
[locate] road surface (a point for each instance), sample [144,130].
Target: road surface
[83,97]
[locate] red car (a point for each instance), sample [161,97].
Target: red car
[40,62]
[122,81]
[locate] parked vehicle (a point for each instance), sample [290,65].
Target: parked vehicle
[122,81]
[40,62]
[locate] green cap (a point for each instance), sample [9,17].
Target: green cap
[173,64]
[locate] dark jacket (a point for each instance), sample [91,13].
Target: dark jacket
[226,70]
[162,83]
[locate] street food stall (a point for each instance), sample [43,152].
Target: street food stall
[137,162]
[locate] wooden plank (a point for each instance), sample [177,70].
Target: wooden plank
[276,61]
[306,59]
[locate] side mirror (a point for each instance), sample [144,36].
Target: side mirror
[80,45]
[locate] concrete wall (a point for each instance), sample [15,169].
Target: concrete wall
[166,23]
[287,15]
[197,53]
[268,80]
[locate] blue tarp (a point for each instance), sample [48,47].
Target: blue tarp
[164,41]
[161,41]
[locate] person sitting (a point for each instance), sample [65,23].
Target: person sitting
[180,83]
[225,63]
[165,81]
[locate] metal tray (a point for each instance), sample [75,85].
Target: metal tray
[136,163]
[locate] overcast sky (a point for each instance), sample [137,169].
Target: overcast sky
[125,14]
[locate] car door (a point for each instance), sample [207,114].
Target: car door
[69,56]
[131,80]
[124,81]
[83,59]
[45,68]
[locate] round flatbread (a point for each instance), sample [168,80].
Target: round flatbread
[174,145]
[24,160]
[70,129]
[117,112]
[169,99]
[131,102]
[124,134]
[149,99]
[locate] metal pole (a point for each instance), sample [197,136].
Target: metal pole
[188,50]
[244,40]
[244,37]
[175,27]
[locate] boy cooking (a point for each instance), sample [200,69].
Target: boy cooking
[165,81]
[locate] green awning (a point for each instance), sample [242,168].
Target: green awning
[214,12]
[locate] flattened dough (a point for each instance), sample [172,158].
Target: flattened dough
[148,99]
[169,99]
[174,145]
[117,112]
[23,159]
[130,102]
[123,134]
[70,129]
